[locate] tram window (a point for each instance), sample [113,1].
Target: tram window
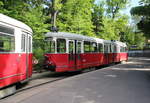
[30,44]
[126,49]
[93,47]
[100,47]
[23,43]
[122,49]
[61,46]
[71,46]
[7,43]
[7,39]
[79,47]
[106,47]
[115,49]
[86,46]
[50,46]
[6,30]
[111,48]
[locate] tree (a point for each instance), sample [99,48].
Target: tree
[29,12]
[114,6]
[97,17]
[53,7]
[144,12]
[75,16]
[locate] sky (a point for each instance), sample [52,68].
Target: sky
[133,3]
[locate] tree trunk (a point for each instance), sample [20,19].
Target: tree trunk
[53,17]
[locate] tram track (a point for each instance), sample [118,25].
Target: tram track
[49,77]
[40,84]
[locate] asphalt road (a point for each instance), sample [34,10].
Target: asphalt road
[123,83]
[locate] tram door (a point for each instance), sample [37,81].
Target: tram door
[72,60]
[78,54]
[106,53]
[75,54]
[29,56]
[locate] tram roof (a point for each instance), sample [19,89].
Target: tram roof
[14,22]
[70,36]
[120,43]
[81,37]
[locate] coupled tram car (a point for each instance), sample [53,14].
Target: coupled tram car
[71,52]
[15,54]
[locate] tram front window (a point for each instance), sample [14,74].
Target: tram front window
[49,45]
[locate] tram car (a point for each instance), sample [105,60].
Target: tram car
[15,53]
[71,52]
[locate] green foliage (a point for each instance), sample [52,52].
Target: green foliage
[97,17]
[132,38]
[140,40]
[114,6]
[35,19]
[113,29]
[141,10]
[144,12]
[30,13]
[76,17]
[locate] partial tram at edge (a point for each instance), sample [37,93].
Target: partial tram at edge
[15,53]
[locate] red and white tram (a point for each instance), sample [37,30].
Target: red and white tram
[71,52]
[15,52]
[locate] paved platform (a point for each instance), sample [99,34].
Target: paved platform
[123,83]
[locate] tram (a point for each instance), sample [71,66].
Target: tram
[15,53]
[71,52]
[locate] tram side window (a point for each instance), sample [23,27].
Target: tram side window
[112,48]
[86,47]
[100,47]
[50,46]
[79,47]
[7,40]
[106,48]
[123,49]
[115,49]
[30,44]
[126,49]
[93,47]
[61,46]
[23,43]
[71,46]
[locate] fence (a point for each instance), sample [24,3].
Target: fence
[139,53]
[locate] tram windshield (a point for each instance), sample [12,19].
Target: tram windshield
[7,40]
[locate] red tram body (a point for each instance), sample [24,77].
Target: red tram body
[15,51]
[71,52]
